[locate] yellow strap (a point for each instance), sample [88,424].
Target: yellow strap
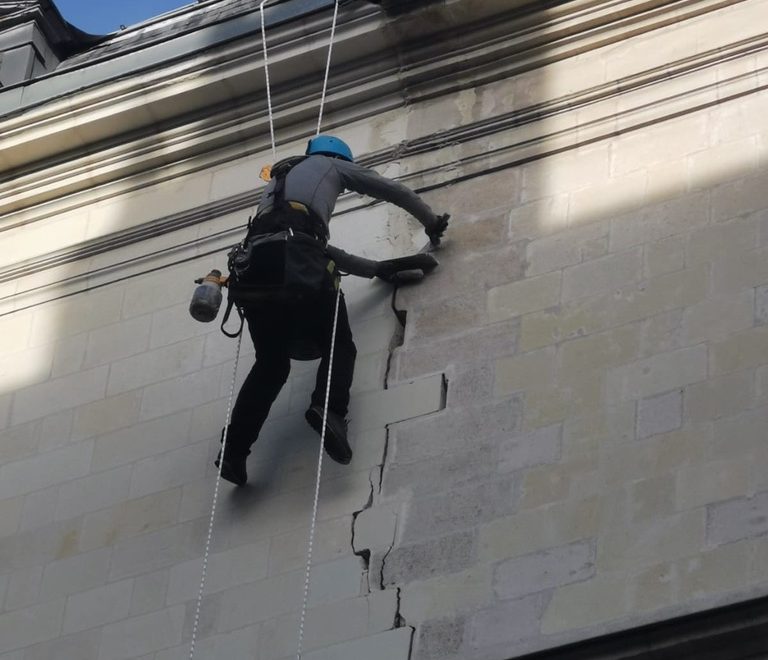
[298,206]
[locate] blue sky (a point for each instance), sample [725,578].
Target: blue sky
[104,16]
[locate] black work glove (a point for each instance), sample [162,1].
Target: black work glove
[437,230]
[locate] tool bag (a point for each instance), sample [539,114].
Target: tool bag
[284,267]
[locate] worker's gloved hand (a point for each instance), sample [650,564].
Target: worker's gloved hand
[437,230]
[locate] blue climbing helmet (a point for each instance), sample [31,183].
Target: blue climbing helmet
[327,145]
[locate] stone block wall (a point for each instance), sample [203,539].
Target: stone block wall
[566,439]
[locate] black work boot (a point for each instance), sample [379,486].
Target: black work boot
[233,465]
[336,445]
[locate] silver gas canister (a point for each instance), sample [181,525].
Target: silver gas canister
[206,299]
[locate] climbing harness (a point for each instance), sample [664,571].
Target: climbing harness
[313,522]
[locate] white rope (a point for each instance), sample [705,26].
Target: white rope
[208,540]
[266,73]
[328,66]
[316,502]
[313,524]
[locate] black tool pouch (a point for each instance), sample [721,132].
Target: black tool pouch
[284,266]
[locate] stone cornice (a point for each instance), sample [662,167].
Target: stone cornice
[529,134]
[378,66]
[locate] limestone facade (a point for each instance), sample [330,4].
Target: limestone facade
[566,439]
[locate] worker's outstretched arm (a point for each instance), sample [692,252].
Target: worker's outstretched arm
[367,182]
[394,271]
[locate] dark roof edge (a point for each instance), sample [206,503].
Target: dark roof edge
[732,632]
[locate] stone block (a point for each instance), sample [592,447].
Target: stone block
[445,595]
[460,508]
[288,551]
[566,248]
[471,385]
[106,415]
[761,305]
[390,645]
[601,276]
[607,199]
[741,434]
[441,473]
[59,394]
[447,317]
[81,572]
[603,598]
[651,498]
[23,588]
[659,414]
[538,218]
[16,631]
[740,197]
[155,366]
[40,546]
[712,573]
[533,370]
[717,318]
[374,529]
[149,592]
[69,355]
[56,431]
[598,351]
[655,587]
[655,540]
[727,240]
[141,441]
[737,519]
[719,397]
[537,447]
[441,638]
[478,344]
[546,484]
[747,271]
[447,432]
[97,607]
[568,171]
[660,373]
[229,568]
[335,580]
[91,493]
[117,341]
[38,508]
[16,328]
[744,350]
[174,468]
[664,256]
[129,518]
[260,601]
[132,638]
[185,392]
[18,442]
[507,623]
[523,297]
[405,401]
[81,646]
[330,624]
[420,561]
[75,315]
[49,469]
[633,303]
[25,369]
[543,570]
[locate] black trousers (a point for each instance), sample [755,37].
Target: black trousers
[272,329]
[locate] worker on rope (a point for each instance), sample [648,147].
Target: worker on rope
[300,197]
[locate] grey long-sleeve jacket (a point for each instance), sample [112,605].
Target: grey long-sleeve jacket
[318,181]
